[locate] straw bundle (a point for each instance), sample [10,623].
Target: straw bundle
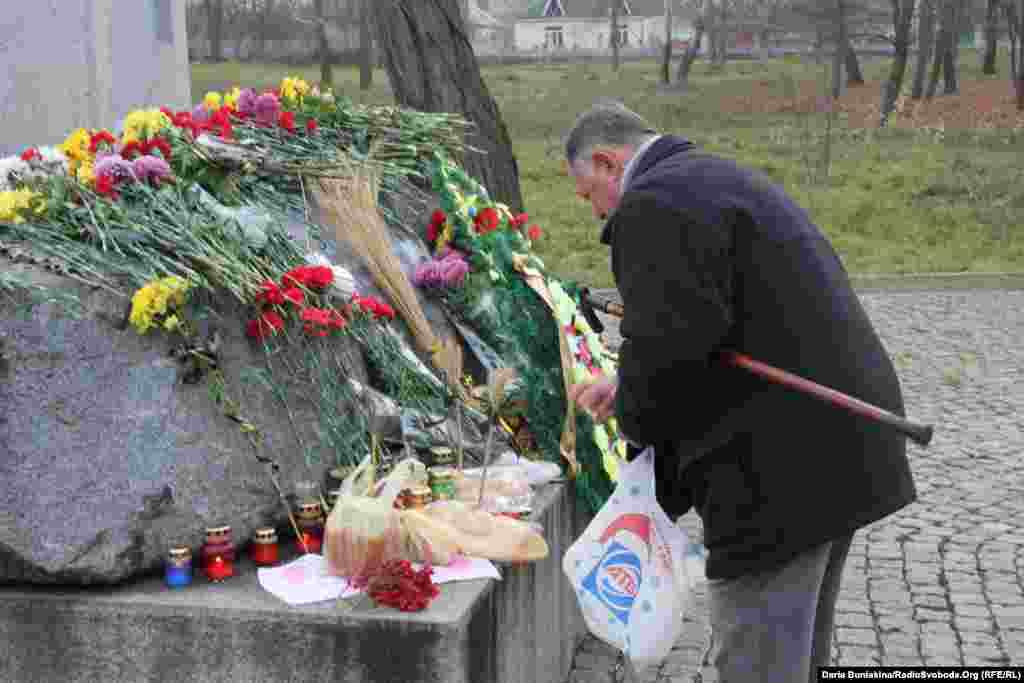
[350,204]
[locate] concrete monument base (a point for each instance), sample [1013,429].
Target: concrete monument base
[523,629]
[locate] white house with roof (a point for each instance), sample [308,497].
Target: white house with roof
[569,25]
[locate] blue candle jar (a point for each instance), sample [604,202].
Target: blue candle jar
[179,567]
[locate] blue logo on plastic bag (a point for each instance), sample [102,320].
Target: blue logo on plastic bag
[616,579]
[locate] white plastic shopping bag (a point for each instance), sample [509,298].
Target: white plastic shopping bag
[629,570]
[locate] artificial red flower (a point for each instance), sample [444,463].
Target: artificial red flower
[311,126]
[398,585]
[295,295]
[270,294]
[486,220]
[520,220]
[286,120]
[267,324]
[30,154]
[438,217]
[533,233]
[432,232]
[383,310]
[310,277]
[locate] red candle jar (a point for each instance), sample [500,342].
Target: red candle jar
[310,521]
[264,547]
[219,553]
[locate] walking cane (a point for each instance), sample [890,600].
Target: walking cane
[920,434]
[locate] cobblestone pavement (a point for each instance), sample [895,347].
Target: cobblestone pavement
[939,583]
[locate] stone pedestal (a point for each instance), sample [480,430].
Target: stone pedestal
[523,629]
[66,64]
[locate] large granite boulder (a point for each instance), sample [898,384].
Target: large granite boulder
[108,458]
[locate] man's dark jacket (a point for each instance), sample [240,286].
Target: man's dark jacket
[708,256]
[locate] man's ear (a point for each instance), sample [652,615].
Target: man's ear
[607,159]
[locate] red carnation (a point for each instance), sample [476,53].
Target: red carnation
[310,277]
[311,126]
[533,233]
[105,186]
[267,324]
[131,150]
[158,144]
[100,137]
[486,220]
[438,217]
[287,121]
[317,321]
[270,294]
[294,295]
[383,310]
[520,220]
[30,154]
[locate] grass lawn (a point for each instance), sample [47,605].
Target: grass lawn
[941,191]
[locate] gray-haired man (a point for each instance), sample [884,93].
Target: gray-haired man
[708,256]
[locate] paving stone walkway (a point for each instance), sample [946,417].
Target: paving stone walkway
[941,582]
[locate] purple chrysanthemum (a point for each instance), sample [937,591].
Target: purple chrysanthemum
[267,108]
[247,102]
[114,166]
[149,168]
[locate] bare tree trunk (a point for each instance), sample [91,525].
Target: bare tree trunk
[615,35]
[265,15]
[666,61]
[925,45]
[1011,30]
[690,56]
[902,14]
[854,76]
[324,47]
[840,51]
[943,48]
[215,28]
[958,16]
[365,46]
[988,66]
[431,67]
[1015,23]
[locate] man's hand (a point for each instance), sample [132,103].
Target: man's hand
[597,398]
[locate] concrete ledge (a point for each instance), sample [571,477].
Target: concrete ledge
[522,629]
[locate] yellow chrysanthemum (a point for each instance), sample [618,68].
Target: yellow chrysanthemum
[151,302]
[231,98]
[293,88]
[86,173]
[16,204]
[76,147]
[212,101]
[143,124]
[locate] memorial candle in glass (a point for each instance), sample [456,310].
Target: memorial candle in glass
[178,571]
[219,553]
[310,521]
[264,547]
